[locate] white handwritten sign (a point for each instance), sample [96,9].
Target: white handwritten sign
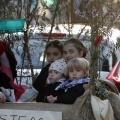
[8,114]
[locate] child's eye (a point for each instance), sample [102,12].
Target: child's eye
[56,72]
[79,70]
[71,52]
[56,54]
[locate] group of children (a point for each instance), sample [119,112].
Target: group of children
[62,80]
[60,89]
[70,89]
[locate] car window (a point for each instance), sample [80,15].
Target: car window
[36,49]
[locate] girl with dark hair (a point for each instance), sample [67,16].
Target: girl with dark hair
[53,51]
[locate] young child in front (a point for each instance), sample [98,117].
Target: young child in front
[78,70]
[57,74]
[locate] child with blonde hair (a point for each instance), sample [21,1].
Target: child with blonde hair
[78,71]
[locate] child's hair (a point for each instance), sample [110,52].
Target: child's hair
[77,44]
[79,63]
[57,44]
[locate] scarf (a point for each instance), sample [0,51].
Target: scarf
[69,84]
[60,80]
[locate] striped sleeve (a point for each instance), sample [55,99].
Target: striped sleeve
[29,95]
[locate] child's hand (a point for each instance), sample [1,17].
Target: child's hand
[51,99]
[2,98]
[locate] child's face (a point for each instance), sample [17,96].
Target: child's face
[76,74]
[69,52]
[54,76]
[53,54]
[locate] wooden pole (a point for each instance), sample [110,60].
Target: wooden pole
[49,37]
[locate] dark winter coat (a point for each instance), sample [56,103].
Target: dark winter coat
[40,83]
[70,96]
[49,90]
